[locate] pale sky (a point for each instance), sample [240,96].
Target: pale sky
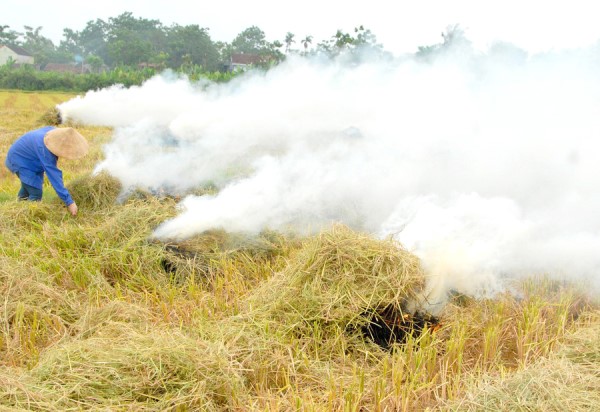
[401,26]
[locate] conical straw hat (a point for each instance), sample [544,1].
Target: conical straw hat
[66,142]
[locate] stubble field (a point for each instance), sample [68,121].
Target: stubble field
[95,315]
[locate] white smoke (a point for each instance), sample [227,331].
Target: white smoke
[483,165]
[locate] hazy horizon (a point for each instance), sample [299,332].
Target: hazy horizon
[400,26]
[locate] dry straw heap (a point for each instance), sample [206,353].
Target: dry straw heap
[334,280]
[95,192]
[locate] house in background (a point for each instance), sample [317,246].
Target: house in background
[14,53]
[243,61]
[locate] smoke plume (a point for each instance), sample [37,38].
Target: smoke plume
[483,164]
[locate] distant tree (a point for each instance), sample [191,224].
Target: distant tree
[127,49]
[342,40]
[9,37]
[195,43]
[39,46]
[274,52]
[224,49]
[425,52]
[277,44]
[289,39]
[251,40]
[131,40]
[454,40]
[336,44]
[365,37]
[455,36]
[93,39]
[305,42]
[70,42]
[355,46]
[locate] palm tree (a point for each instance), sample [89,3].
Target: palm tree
[306,41]
[289,39]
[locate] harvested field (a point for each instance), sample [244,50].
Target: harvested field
[97,315]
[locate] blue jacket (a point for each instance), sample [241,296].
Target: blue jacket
[30,158]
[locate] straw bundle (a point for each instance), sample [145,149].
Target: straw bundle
[335,279]
[51,117]
[95,191]
[122,368]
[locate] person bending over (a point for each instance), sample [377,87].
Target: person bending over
[37,152]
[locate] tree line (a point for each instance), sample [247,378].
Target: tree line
[128,50]
[126,40]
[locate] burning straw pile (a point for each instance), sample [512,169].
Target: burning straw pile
[336,283]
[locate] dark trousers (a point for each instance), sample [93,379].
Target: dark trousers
[29,193]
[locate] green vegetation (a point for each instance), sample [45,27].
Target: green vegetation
[29,79]
[128,50]
[96,315]
[126,40]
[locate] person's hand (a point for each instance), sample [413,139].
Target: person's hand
[72,208]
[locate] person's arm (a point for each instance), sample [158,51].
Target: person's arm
[55,177]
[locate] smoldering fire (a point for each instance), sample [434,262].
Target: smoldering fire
[480,164]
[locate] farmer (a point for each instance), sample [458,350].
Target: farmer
[37,152]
